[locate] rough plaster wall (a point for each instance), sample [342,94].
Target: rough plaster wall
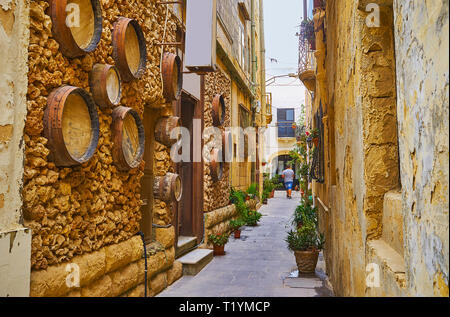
[422,44]
[73,211]
[14,36]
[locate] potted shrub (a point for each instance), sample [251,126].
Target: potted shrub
[264,197]
[304,213]
[236,227]
[252,218]
[218,241]
[306,244]
[252,191]
[315,137]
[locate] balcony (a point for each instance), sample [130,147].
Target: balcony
[306,59]
[268,113]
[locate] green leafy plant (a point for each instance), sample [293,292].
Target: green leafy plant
[305,214]
[315,133]
[252,217]
[305,239]
[218,239]
[237,224]
[252,190]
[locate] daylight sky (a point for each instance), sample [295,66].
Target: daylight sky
[281,24]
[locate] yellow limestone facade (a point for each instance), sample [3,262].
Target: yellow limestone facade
[381,103]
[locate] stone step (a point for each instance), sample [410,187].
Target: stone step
[184,245]
[195,261]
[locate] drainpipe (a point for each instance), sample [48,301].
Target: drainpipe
[263,59]
[253,29]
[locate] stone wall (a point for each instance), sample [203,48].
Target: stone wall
[378,224]
[356,88]
[216,194]
[81,212]
[422,44]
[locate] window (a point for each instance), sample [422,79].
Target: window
[242,55]
[286,118]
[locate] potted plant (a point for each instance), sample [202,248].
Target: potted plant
[236,227]
[304,213]
[218,241]
[252,191]
[306,243]
[265,196]
[252,218]
[315,136]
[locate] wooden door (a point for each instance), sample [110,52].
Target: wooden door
[147,179]
[185,206]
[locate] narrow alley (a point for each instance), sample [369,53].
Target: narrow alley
[257,265]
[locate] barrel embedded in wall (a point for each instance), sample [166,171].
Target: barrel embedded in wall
[71,126]
[164,127]
[76,25]
[128,138]
[216,165]
[172,76]
[105,83]
[129,49]
[218,110]
[168,187]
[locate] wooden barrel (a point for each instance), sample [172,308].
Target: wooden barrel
[71,126]
[76,25]
[172,77]
[163,128]
[105,84]
[216,165]
[168,187]
[128,138]
[227,146]
[129,49]
[218,110]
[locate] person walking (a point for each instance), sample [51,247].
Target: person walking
[288,177]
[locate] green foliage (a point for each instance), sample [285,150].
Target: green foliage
[252,217]
[218,239]
[236,224]
[252,190]
[305,214]
[304,239]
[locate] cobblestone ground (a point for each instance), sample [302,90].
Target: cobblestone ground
[257,265]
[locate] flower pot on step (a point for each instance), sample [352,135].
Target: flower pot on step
[306,260]
[265,201]
[218,250]
[237,234]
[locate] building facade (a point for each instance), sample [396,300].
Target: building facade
[380,182]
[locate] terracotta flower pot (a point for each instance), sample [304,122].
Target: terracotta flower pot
[316,141]
[247,198]
[272,193]
[306,260]
[218,250]
[237,234]
[265,201]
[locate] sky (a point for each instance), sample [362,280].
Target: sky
[281,20]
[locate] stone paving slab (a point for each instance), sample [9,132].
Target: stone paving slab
[258,265]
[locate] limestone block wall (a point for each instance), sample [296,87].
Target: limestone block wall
[356,87]
[421,44]
[216,194]
[84,211]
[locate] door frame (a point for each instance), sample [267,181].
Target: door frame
[197,170]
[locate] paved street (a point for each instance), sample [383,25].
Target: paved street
[257,265]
